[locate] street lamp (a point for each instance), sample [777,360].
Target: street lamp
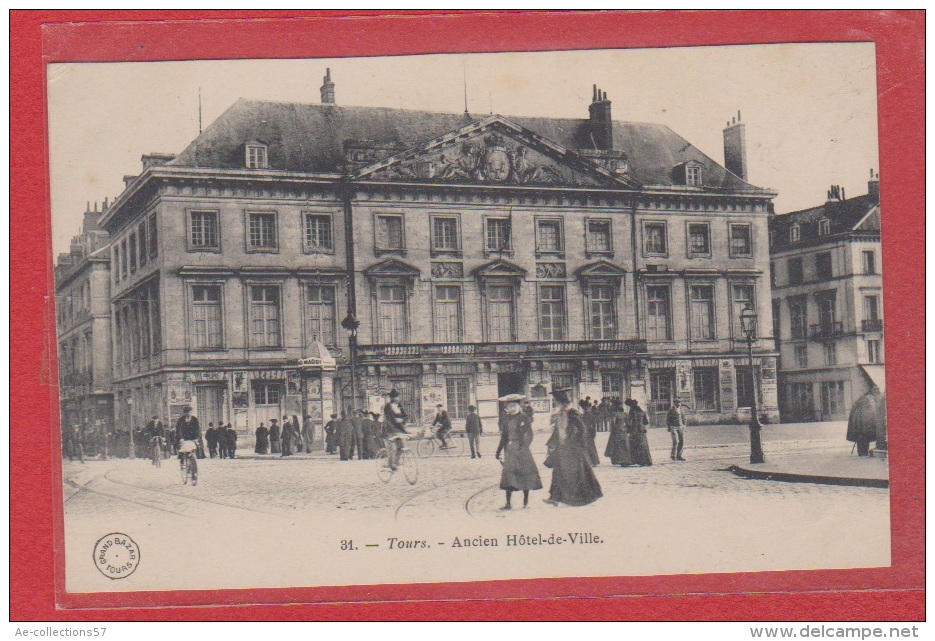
[350,324]
[748,320]
[130,423]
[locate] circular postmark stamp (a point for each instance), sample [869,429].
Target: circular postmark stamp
[116,556]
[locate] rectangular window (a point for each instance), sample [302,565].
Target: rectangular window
[318,233]
[561,380]
[153,237]
[801,400]
[390,233]
[699,239]
[871,308]
[320,313]
[552,312]
[745,383]
[144,250]
[801,356]
[133,246]
[824,227]
[448,314]
[264,307]
[657,313]
[742,295]
[392,300]
[776,323]
[458,399]
[116,265]
[705,388]
[206,316]
[500,313]
[612,385]
[702,312]
[262,232]
[155,322]
[798,319]
[599,236]
[445,233]
[654,239]
[831,353]
[498,237]
[204,230]
[873,351]
[123,263]
[603,319]
[795,271]
[827,302]
[266,393]
[549,235]
[869,259]
[741,240]
[256,157]
[823,266]
[795,233]
[693,175]
[832,397]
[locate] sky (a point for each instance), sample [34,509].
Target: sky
[809,109]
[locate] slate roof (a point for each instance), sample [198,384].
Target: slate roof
[305,137]
[850,215]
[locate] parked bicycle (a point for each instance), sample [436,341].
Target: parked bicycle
[452,446]
[395,457]
[188,462]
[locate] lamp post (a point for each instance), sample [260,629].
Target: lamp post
[748,320]
[350,324]
[130,423]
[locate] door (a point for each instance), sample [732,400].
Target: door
[660,390]
[407,398]
[267,402]
[210,400]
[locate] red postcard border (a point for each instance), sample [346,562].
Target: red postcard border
[41,37]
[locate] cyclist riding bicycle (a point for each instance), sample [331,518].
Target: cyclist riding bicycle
[394,428]
[444,424]
[187,429]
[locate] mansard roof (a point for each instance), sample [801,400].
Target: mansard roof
[859,214]
[312,138]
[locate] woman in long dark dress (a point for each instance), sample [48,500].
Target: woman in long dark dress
[636,427]
[618,450]
[573,480]
[520,473]
[590,420]
[262,440]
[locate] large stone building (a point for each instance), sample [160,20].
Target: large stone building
[82,296]
[481,256]
[828,304]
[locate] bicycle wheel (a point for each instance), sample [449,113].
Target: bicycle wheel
[193,470]
[426,447]
[410,465]
[384,471]
[184,468]
[455,446]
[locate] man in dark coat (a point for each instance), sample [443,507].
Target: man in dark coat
[867,417]
[212,438]
[357,434]
[369,440]
[344,432]
[262,440]
[275,433]
[288,436]
[474,428]
[231,441]
[187,429]
[444,424]
[308,433]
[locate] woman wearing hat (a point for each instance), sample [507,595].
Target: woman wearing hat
[519,468]
[573,480]
[618,450]
[636,427]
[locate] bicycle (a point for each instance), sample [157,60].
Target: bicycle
[189,463]
[407,462]
[157,443]
[427,445]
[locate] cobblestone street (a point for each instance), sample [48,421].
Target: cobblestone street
[711,512]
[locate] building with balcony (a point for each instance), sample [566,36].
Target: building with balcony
[83,321]
[481,255]
[828,304]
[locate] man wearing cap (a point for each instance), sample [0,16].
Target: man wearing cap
[675,421]
[474,429]
[394,417]
[275,433]
[444,424]
[187,429]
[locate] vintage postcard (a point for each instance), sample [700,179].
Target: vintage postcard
[469,317]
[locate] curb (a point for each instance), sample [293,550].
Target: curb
[789,477]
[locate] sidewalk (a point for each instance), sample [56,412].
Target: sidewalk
[835,467]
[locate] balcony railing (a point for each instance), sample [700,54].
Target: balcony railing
[872,325]
[469,350]
[826,330]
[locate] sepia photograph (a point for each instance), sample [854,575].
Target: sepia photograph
[468,317]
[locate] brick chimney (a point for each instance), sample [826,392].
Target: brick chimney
[602,126]
[873,187]
[327,89]
[735,147]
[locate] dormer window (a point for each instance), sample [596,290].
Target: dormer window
[824,227]
[693,177]
[795,233]
[256,155]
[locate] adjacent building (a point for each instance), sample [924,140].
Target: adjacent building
[828,304]
[83,315]
[481,255]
